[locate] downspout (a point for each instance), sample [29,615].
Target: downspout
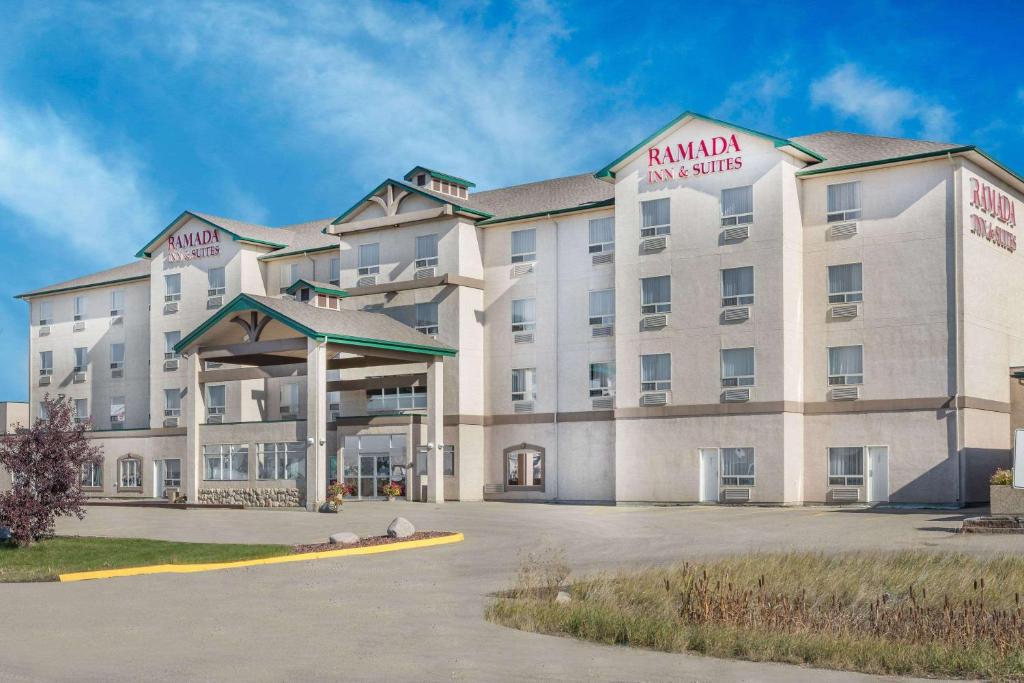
[958,304]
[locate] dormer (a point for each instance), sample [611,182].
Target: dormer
[442,183]
[319,294]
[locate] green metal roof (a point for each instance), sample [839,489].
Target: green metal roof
[318,287]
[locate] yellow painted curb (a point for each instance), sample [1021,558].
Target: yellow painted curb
[280,559]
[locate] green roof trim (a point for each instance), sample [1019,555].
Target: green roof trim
[553,212]
[311,250]
[243,302]
[405,186]
[607,172]
[147,251]
[318,288]
[440,176]
[134,278]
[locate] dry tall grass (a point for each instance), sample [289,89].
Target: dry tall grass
[890,613]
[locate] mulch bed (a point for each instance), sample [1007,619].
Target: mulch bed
[367,541]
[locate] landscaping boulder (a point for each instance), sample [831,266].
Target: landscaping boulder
[344,538]
[5,534]
[563,598]
[400,527]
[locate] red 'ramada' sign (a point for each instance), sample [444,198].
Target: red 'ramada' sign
[997,206]
[185,246]
[696,158]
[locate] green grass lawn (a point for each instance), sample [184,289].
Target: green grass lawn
[905,613]
[44,560]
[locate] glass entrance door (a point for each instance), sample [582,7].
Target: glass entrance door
[374,472]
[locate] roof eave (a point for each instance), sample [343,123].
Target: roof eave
[147,251]
[553,212]
[812,171]
[60,290]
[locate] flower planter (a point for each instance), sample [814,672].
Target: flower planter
[1006,500]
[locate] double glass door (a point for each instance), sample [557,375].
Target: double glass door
[374,473]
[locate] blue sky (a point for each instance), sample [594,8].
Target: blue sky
[114,117]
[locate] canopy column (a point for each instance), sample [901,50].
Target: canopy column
[316,423]
[435,430]
[195,407]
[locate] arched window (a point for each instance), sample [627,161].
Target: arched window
[129,473]
[524,467]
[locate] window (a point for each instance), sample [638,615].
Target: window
[738,286]
[846,466]
[524,315]
[116,355]
[602,235]
[283,460]
[81,411]
[426,318]
[45,312]
[129,473]
[524,245]
[226,462]
[172,402]
[45,363]
[394,399]
[43,414]
[737,467]
[737,367]
[369,259]
[216,399]
[289,399]
[602,379]
[172,472]
[654,217]
[335,270]
[92,475]
[738,206]
[172,287]
[116,411]
[80,307]
[421,179]
[81,358]
[845,284]
[602,307]
[171,339]
[524,468]
[845,365]
[844,202]
[656,372]
[656,294]
[333,404]
[215,283]
[117,302]
[524,387]
[449,461]
[426,251]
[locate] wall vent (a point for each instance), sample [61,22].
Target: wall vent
[653,322]
[601,259]
[170,307]
[521,269]
[654,243]
[735,234]
[846,495]
[523,337]
[843,311]
[602,331]
[520,407]
[44,330]
[735,495]
[366,281]
[78,377]
[844,393]
[78,326]
[171,364]
[654,398]
[602,402]
[736,395]
[842,230]
[736,314]
[422,273]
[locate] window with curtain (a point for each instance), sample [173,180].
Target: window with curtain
[656,372]
[172,402]
[81,358]
[216,399]
[172,287]
[656,294]
[171,340]
[335,270]
[845,284]
[602,307]
[844,202]
[45,312]
[602,235]
[281,460]
[226,462]
[215,284]
[129,473]
[602,379]
[116,355]
[426,317]
[426,251]
[92,475]
[46,362]
[117,302]
[738,205]
[737,467]
[846,466]
[655,217]
[524,315]
[369,259]
[80,308]
[845,365]
[524,387]
[524,245]
[524,469]
[289,398]
[738,286]
[737,367]
[117,410]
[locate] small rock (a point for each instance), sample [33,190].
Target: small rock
[5,534]
[344,538]
[400,527]
[563,598]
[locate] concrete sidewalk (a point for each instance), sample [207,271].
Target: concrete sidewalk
[412,615]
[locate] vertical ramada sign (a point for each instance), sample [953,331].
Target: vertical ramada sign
[185,246]
[683,160]
[994,215]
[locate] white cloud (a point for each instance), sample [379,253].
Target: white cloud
[752,102]
[883,108]
[69,191]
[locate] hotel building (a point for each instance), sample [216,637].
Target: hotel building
[718,315]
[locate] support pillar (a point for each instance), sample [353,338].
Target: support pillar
[435,430]
[316,424]
[195,408]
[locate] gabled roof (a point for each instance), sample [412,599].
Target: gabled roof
[239,231]
[437,174]
[842,150]
[782,144]
[129,272]
[318,287]
[461,207]
[306,238]
[354,328]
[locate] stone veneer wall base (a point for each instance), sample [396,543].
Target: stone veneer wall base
[250,497]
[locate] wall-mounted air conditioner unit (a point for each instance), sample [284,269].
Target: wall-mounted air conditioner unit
[521,407]
[842,230]
[170,307]
[117,373]
[214,302]
[848,393]
[653,322]
[366,281]
[288,415]
[736,395]
[601,259]
[522,337]
[171,421]
[602,402]
[843,311]
[44,380]
[735,495]
[602,331]
[423,273]
[494,488]
[654,243]
[78,377]
[736,233]
[44,330]
[117,421]
[736,314]
[171,363]
[654,398]
[521,269]
[215,419]
[78,326]
[844,495]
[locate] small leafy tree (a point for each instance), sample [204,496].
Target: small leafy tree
[45,462]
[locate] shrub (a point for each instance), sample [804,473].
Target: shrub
[1002,477]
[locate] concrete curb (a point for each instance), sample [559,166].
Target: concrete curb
[280,559]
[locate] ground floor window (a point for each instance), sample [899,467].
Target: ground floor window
[524,468]
[129,473]
[92,475]
[449,461]
[172,473]
[846,466]
[282,460]
[226,462]
[737,467]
